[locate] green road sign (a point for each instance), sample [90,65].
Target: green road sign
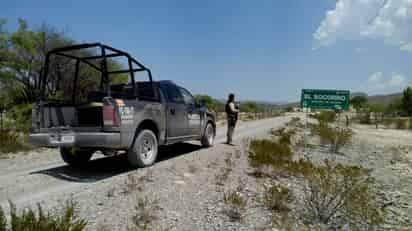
[325,99]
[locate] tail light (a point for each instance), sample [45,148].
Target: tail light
[110,115]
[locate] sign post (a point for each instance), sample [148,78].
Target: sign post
[337,100]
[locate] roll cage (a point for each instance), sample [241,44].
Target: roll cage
[105,53]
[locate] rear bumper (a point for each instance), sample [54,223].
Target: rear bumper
[78,139]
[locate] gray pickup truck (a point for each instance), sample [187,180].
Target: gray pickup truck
[85,109]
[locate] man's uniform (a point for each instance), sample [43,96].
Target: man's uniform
[231,114]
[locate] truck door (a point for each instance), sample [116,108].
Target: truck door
[176,112]
[193,113]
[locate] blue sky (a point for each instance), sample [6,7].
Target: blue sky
[260,50]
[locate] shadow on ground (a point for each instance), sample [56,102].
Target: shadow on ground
[106,167]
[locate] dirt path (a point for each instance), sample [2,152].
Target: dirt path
[183,169]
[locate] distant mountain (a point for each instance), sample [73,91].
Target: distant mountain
[385,99]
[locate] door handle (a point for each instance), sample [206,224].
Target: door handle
[172,111]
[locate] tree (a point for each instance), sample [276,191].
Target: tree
[22,57]
[250,106]
[359,102]
[211,103]
[407,100]
[394,107]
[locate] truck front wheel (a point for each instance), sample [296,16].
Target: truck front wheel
[144,151]
[208,136]
[76,157]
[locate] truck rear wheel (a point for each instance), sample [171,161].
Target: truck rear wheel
[76,157]
[208,136]
[144,151]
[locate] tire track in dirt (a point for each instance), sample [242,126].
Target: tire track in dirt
[36,182]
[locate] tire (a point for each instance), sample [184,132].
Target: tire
[76,158]
[144,150]
[208,137]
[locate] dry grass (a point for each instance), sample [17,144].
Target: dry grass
[225,171]
[235,202]
[134,183]
[145,214]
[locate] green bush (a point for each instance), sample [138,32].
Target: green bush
[268,154]
[21,114]
[30,220]
[12,142]
[337,194]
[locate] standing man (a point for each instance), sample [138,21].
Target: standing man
[232,115]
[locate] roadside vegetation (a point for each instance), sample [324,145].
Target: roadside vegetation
[39,220]
[145,214]
[332,195]
[393,114]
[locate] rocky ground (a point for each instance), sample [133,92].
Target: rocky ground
[185,189]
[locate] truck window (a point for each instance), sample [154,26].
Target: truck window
[172,93]
[187,97]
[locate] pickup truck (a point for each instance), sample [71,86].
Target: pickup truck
[83,110]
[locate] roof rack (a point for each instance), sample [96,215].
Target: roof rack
[105,53]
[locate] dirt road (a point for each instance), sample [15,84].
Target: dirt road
[100,188]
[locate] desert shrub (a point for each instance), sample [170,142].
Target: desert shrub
[337,195]
[284,136]
[365,118]
[12,142]
[387,122]
[326,117]
[294,122]
[401,123]
[277,132]
[21,115]
[145,214]
[32,220]
[235,205]
[336,138]
[268,154]
[277,198]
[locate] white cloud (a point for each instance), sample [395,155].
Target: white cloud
[395,82]
[387,20]
[376,77]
